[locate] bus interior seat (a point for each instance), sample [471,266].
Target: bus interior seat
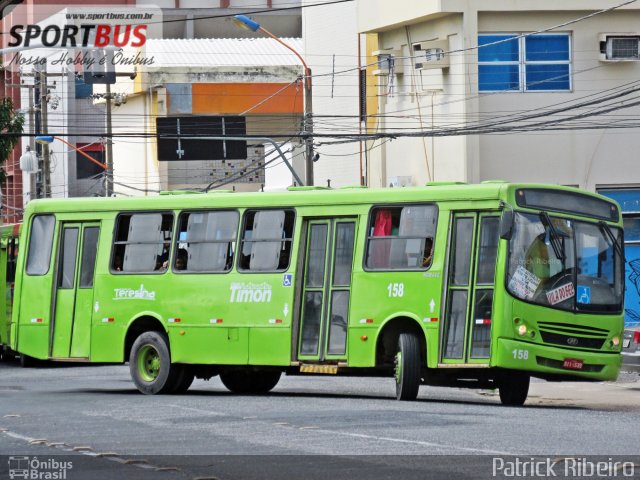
[267,225]
[203,229]
[139,257]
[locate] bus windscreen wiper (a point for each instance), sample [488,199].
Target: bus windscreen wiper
[554,236]
[612,238]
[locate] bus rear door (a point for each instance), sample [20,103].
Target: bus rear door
[466,335]
[324,298]
[71,327]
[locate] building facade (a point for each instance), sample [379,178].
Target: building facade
[77,116]
[520,91]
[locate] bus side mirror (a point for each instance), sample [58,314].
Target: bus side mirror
[506,225]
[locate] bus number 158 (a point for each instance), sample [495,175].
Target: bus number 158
[396,289]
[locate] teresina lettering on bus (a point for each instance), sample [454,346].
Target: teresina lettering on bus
[250,293]
[131,294]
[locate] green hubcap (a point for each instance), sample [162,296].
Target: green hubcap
[148,363]
[398,367]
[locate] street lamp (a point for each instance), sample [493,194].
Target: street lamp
[248,24]
[47,139]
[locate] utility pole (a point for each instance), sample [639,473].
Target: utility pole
[46,161]
[308,128]
[32,138]
[108,179]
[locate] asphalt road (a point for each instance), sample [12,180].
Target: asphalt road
[308,427]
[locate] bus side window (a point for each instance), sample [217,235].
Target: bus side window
[205,241]
[401,238]
[266,240]
[40,244]
[142,242]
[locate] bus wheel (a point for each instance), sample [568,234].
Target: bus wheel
[248,381]
[265,381]
[514,388]
[150,364]
[184,380]
[407,367]
[28,362]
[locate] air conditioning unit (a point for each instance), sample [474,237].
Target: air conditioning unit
[431,54]
[619,47]
[401,181]
[387,62]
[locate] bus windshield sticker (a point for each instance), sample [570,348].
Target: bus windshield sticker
[250,292]
[131,294]
[560,294]
[524,283]
[584,294]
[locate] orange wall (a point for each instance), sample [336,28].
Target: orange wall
[230,98]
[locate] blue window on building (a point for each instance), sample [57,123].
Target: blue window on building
[629,200]
[540,62]
[83,90]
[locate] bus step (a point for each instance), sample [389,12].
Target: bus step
[322,369]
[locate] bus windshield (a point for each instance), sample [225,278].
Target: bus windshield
[566,264]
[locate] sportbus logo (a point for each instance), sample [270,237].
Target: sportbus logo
[78,36]
[71,34]
[35,469]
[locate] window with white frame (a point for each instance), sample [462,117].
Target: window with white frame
[508,62]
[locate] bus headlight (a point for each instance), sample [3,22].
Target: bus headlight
[615,341]
[522,330]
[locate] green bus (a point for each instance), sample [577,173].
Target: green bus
[477,286]
[9,235]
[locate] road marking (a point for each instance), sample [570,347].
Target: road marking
[17,436]
[413,442]
[198,410]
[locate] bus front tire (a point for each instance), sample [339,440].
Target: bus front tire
[150,364]
[407,367]
[514,388]
[250,381]
[29,362]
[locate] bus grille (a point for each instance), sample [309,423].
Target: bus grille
[571,341]
[572,336]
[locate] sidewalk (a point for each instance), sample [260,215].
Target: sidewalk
[621,395]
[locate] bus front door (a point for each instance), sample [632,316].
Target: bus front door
[466,333]
[71,328]
[324,297]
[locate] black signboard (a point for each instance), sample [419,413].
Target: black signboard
[176,138]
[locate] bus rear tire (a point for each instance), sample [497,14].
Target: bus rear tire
[184,380]
[150,364]
[407,367]
[514,388]
[250,381]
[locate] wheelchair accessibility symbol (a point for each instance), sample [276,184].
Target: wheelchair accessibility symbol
[287,280]
[584,294]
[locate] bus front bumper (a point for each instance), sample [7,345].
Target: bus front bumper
[545,359]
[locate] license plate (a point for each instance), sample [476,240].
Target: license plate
[573,364]
[626,342]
